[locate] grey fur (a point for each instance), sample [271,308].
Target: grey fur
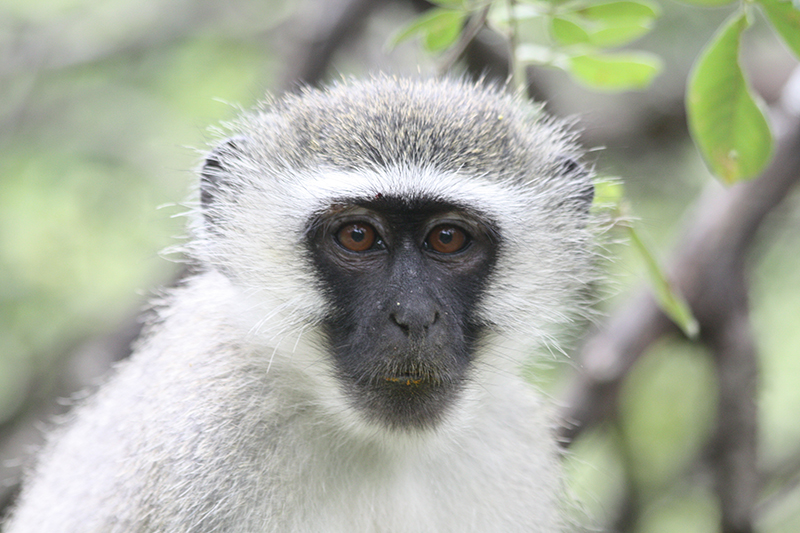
[229,418]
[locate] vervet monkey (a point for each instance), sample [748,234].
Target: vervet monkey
[375,261]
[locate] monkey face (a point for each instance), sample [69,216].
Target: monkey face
[401,224]
[403,280]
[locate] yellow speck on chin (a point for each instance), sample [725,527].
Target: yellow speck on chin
[408,381]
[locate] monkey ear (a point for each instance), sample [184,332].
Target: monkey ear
[215,173]
[572,169]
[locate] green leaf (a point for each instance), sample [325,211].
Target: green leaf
[607,24]
[725,120]
[451,4]
[609,196]
[621,12]
[567,33]
[670,301]
[619,35]
[412,29]
[444,33]
[608,191]
[785,18]
[708,2]
[439,28]
[621,71]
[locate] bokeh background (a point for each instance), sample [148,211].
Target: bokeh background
[105,109]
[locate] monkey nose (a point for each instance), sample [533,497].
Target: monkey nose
[414,318]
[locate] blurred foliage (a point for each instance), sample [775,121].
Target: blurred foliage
[97,111]
[582,38]
[102,108]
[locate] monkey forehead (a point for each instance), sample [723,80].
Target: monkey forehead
[498,200]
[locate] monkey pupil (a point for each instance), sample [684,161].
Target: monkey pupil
[358,234]
[446,236]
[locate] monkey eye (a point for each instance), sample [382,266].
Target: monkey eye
[446,239]
[358,237]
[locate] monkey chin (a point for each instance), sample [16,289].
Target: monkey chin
[407,401]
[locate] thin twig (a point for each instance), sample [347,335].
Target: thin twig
[475,24]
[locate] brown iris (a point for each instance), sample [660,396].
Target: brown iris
[357,236]
[447,239]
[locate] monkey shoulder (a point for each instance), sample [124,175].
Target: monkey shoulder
[150,450]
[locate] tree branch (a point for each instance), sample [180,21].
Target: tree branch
[324,30]
[709,270]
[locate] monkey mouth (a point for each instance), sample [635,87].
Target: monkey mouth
[414,375]
[406,379]
[409,391]
[408,400]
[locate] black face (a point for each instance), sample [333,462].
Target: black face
[403,280]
